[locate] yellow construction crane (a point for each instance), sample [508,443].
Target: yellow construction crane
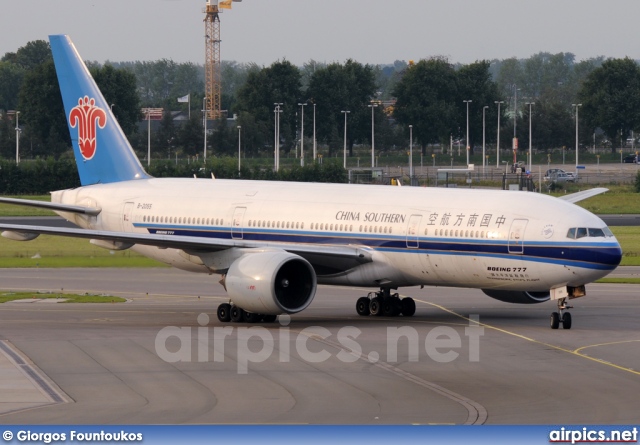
[213,67]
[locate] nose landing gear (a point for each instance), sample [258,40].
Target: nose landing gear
[561,316]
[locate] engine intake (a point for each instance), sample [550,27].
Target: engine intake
[271,283]
[518,297]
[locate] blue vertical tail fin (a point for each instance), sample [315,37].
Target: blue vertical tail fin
[103,153]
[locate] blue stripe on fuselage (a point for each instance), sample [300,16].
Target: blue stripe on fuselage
[589,255]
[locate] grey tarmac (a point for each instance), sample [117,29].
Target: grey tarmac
[106,366]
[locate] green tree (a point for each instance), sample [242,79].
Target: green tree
[475,84]
[43,113]
[343,87]
[11,76]
[279,83]
[166,135]
[611,98]
[31,55]
[118,86]
[252,134]
[427,97]
[552,125]
[191,136]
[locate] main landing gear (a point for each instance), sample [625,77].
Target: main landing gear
[385,304]
[230,312]
[561,316]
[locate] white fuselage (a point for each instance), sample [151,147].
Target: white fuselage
[417,236]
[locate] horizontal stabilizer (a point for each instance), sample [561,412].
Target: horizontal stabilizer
[52,206]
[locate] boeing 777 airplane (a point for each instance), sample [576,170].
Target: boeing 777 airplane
[274,242]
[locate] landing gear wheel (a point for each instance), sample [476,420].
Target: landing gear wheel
[408,306]
[252,317]
[555,320]
[269,318]
[224,312]
[362,306]
[391,307]
[375,306]
[566,320]
[237,314]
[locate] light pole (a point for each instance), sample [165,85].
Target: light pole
[515,108]
[577,108]
[410,154]
[205,116]
[345,137]
[530,105]
[277,112]
[149,136]
[498,141]
[239,145]
[17,137]
[484,109]
[373,161]
[515,120]
[302,135]
[467,141]
[314,132]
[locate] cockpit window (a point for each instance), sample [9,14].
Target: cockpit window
[592,232]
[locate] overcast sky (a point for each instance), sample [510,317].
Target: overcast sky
[369,31]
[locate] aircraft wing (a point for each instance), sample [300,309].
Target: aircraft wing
[579,196]
[336,257]
[52,206]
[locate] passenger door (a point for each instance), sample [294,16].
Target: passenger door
[516,236]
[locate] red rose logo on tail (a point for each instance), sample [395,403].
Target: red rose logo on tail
[86,116]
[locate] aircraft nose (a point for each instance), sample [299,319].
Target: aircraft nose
[611,256]
[618,255]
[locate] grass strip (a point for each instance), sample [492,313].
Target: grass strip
[68,298]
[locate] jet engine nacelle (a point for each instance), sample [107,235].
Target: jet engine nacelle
[271,283]
[519,297]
